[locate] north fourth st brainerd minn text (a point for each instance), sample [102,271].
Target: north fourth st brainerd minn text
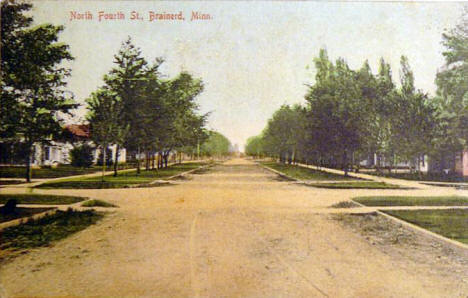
[151,16]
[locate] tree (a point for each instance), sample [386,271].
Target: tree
[452,89]
[182,125]
[383,109]
[281,136]
[336,111]
[82,156]
[254,146]
[216,145]
[33,79]
[103,117]
[127,81]
[414,121]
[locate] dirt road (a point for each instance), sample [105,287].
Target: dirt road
[235,231]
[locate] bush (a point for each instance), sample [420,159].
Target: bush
[82,156]
[10,207]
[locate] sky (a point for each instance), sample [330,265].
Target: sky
[252,56]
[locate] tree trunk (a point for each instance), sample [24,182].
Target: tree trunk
[166,156]
[138,161]
[147,160]
[152,160]
[116,160]
[28,163]
[103,162]
[345,163]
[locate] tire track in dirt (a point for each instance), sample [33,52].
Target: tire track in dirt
[194,286]
[286,264]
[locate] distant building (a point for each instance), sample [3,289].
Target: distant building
[57,152]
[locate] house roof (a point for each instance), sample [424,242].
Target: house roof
[79,130]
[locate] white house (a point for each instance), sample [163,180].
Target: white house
[59,152]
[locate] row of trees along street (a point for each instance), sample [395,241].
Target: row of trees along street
[136,107]
[350,115]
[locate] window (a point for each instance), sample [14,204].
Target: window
[47,153]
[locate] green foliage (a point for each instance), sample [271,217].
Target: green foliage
[82,156]
[33,78]
[283,135]
[351,115]
[146,114]
[254,146]
[216,145]
[452,88]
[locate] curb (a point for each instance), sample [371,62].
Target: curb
[17,222]
[280,173]
[56,208]
[441,239]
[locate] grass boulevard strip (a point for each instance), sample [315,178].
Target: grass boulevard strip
[313,178]
[123,180]
[42,231]
[450,223]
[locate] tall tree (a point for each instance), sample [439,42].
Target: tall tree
[336,110]
[33,79]
[414,120]
[103,116]
[128,80]
[452,87]
[183,126]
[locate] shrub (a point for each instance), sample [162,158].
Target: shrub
[10,207]
[82,156]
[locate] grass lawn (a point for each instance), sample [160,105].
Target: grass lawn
[451,223]
[438,177]
[302,173]
[40,199]
[41,232]
[21,212]
[47,172]
[357,185]
[97,203]
[412,201]
[123,179]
